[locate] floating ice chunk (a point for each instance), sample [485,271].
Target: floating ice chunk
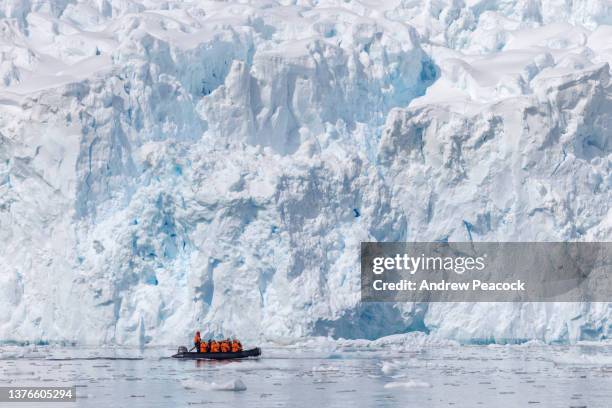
[233,385]
[325,369]
[391,367]
[408,384]
[388,367]
[583,359]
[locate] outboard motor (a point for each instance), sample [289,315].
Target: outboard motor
[182,349]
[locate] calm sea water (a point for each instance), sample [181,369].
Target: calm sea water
[449,376]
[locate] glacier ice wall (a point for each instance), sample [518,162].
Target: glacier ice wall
[170,165]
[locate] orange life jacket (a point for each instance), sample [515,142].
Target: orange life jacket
[235,346]
[214,347]
[225,347]
[203,347]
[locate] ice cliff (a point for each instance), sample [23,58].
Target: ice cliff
[169,165]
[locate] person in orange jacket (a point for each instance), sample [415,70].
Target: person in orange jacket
[203,347]
[225,346]
[197,340]
[236,346]
[214,346]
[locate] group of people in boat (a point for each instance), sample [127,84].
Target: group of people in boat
[214,346]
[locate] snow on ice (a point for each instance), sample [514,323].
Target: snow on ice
[169,165]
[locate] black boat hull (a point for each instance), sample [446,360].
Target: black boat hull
[218,356]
